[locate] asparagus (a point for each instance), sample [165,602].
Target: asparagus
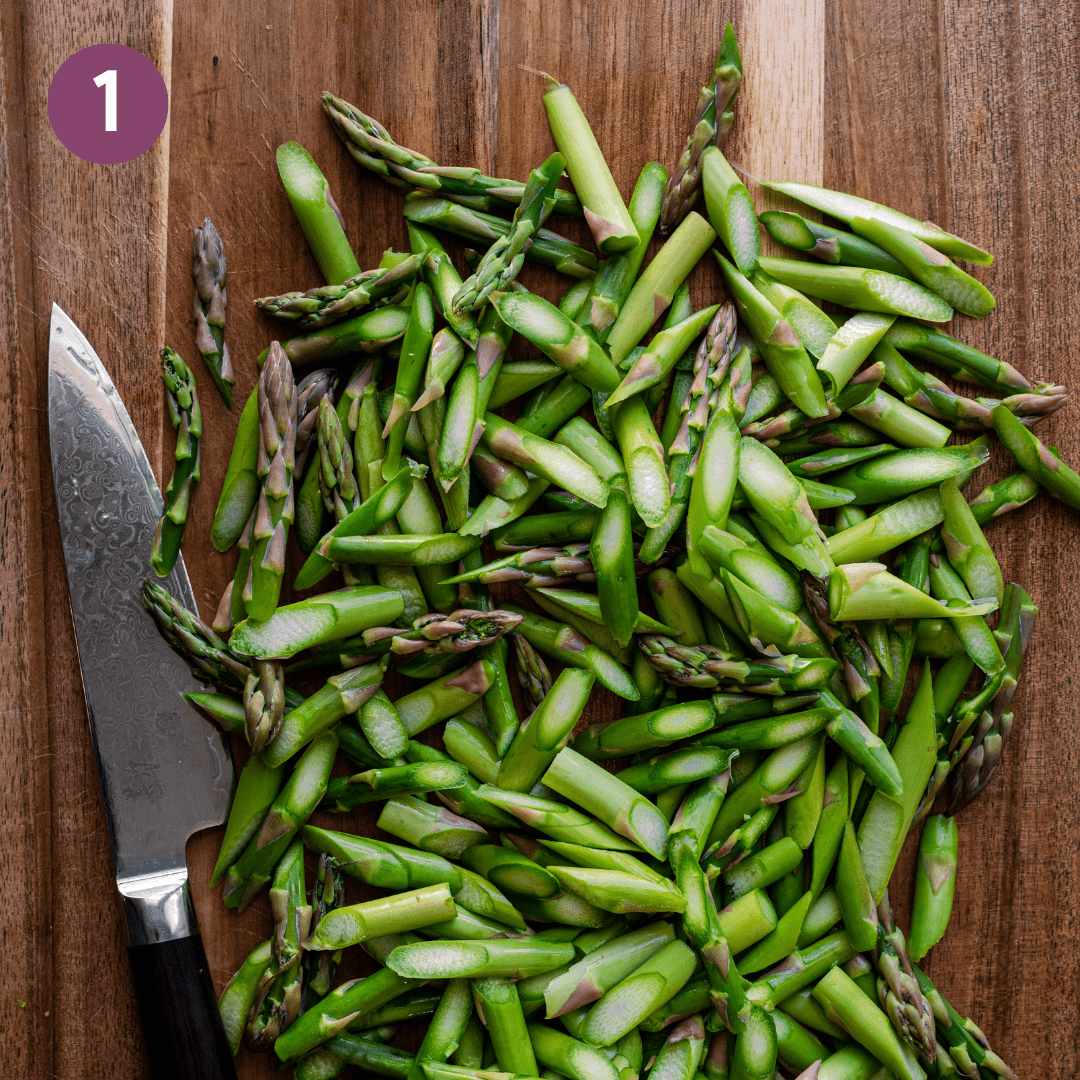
[375,511]
[274,509]
[288,812]
[256,791]
[208,272]
[550,461]
[928,266]
[557,820]
[706,667]
[965,363]
[829,244]
[964,1042]
[347,792]
[278,998]
[498,958]
[308,623]
[503,260]
[657,361]
[755,1047]
[327,304]
[389,915]
[511,871]
[847,1005]
[372,147]
[546,731]
[327,894]
[237,998]
[569,1057]
[731,210]
[612,801]
[606,213]
[264,702]
[240,488]
[499,1008]
[546,247]
[341,695]
[209,658]
[182,401]
[569,647]
[782,351]
[865,290]
[386,866]
[560,339]
[658,284]
[845,207]
[711,124]
[935,882]
[614,890]
[646,989]
[1036,460]
[604,967]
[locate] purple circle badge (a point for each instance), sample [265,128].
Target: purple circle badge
[108,104]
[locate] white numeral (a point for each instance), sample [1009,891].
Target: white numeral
[108,80]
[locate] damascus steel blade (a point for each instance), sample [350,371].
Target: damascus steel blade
[165,771]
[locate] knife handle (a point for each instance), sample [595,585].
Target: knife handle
[185,1038]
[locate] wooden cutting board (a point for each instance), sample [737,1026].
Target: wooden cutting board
[964,113]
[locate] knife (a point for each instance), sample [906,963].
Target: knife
[165,772]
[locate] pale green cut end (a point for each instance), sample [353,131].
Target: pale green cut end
[299,172]
[907,297]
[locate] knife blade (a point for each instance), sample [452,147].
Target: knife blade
[165,772]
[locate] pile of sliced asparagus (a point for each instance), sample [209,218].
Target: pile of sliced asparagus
[749,527]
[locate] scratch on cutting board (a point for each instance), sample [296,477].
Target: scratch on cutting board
[247,75]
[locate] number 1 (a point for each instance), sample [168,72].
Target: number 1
[108,80]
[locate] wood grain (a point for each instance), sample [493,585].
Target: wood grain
[979,142]
[91,238]
[964,113]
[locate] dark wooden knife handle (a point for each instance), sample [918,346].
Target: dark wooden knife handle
[185,1039]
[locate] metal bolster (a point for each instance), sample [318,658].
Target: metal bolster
[157,907]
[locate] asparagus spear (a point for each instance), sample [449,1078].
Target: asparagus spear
[560,339]
[240,488]
[497,958]
[317,213]
[372,147]
[927,265]
[731,210]
[612,801]
[866,290]
[546,247]
[256,790]
[627,1003]
[829,244]
[965,363]
[845,1003]
[182,401]
[557,820]
[546,731]
[1036,460]
[208,272]
[711,124]
[658,284]
[845,207]
[503,260]
[237,998]
[782,351]
[297,799]
[935,883]
[275,507]
[604,209]
[327,304]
